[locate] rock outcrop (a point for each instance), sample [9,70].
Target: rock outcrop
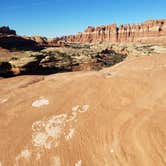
[152,31]
[10,40]
[14,42]
[38,39]
[47,42]
[5,30]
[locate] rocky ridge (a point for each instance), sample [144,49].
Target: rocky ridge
[151,31]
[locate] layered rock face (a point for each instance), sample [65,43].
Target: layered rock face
[152,31]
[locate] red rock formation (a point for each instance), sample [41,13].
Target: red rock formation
[151,31]
[47,42]
[148,32]
[10,40]
[42,41]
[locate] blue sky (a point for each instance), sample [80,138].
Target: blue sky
[62,17]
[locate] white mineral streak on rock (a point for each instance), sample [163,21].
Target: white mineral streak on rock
[55,161]
[40,102]
[70,134]
[78,163]
[25,154]
[84,108]
[112,150]
[75,108]
[3,100]
[38,156]
[47,133]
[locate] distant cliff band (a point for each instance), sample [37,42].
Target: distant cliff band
[151,31]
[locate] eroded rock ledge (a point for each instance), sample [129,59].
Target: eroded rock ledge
[151,31]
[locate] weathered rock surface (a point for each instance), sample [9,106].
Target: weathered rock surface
[108,118]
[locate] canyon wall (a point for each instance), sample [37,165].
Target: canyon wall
[151,31]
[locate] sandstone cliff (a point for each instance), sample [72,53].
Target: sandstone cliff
[152,31]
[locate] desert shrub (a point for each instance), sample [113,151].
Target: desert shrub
[110,57]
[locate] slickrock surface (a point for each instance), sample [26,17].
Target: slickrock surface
[111,117]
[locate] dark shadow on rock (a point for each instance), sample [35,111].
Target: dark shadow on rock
[46,64]
[18,43]
[5,69]
[37,68]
